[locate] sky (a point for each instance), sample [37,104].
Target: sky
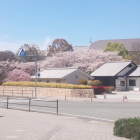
[78,21]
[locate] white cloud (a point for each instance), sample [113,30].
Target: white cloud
[45,43]
[14,46]
[9,46]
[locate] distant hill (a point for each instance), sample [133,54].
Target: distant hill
[100,44]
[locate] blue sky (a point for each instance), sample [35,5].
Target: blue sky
[41,21]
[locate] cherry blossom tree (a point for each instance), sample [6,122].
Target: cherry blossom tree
[17,75]
[28,67]
[7,66]
[86,60]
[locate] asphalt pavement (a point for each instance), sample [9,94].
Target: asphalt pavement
[97,109]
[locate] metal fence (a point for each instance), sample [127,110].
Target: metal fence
[23,93]
[37,105]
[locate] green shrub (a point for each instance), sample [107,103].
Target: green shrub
[110,89]
[43,84]
[128,128]
[94,83]
[82,82]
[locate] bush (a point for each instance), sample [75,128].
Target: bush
[82,82]
[102,89]
[95,83]
[50,85]
[110,89]
[128,128]
[98,89]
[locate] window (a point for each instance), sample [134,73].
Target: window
[132,82]
[76,76]
[122,83]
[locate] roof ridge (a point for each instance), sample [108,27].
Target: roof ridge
[62,68]
[119,61]
[117,39]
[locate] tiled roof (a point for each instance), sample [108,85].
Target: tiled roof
[56,72]
[100,44]
[110,68]
[136,72]
[59,73]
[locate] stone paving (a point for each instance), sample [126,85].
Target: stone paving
[22,125]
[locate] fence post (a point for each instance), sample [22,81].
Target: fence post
[7,101]
[57,107]
[104,96]
[29,104]
[32,93]
[91,98]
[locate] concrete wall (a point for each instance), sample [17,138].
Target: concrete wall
[47,91]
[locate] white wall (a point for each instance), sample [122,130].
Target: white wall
[131,88]
[73,78]
[118,86]
[51,80]
[137,83]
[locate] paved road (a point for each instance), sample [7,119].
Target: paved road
[103,110]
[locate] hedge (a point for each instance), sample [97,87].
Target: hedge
[128,128]
[94,82]
[82,82]
[43,84]
[103,89]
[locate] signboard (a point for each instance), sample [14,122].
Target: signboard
[22,53]
[38,74]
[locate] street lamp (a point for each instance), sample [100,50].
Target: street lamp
[22,54]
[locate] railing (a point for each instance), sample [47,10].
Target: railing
[25,93]
[29,104]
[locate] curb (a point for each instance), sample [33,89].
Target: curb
[88,118]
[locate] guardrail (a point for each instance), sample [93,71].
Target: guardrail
[28,104]
[25,93]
